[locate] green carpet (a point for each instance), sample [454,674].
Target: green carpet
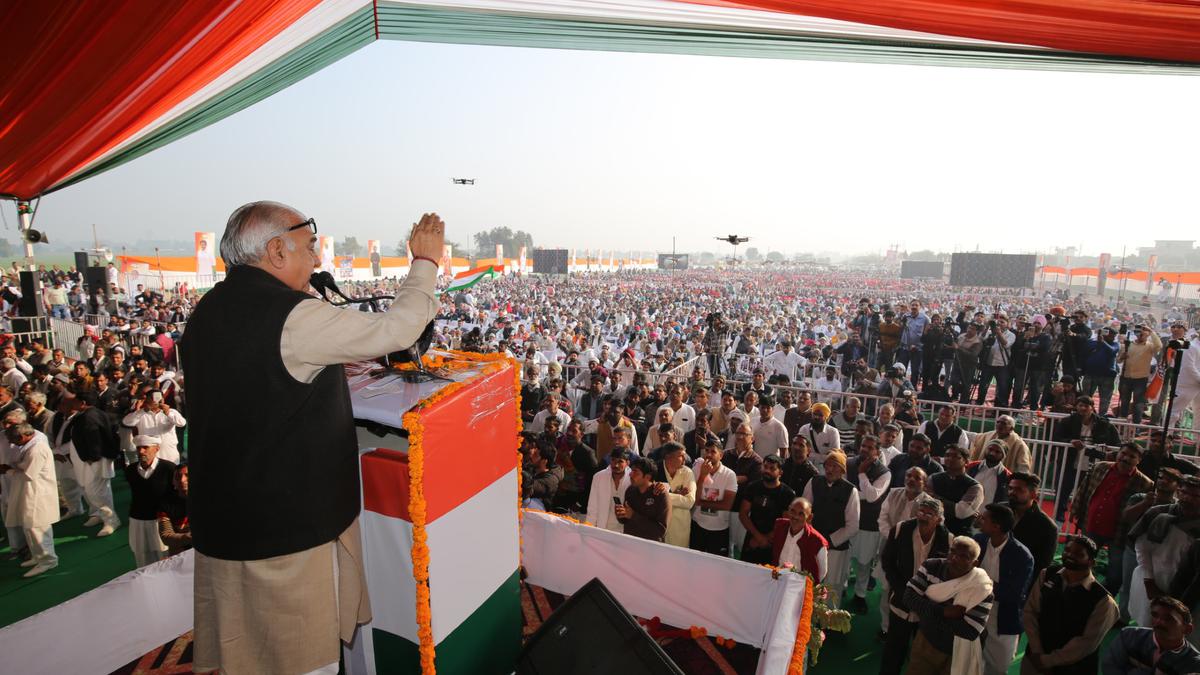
[84,562]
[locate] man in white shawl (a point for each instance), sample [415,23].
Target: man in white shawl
[952,599]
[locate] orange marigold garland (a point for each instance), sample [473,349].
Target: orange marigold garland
[520,476]
[417,507]
[420,548]
[804,631]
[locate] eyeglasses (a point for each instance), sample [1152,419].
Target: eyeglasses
[310,223]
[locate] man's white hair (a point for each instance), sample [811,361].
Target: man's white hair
[250,228]
[968,543]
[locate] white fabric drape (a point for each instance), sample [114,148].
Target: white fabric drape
[654,579]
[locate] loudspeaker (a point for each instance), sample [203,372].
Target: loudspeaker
[592,634]
[29,296]
[81,261]
[95,279]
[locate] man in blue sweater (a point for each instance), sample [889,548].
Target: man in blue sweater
[1010,566]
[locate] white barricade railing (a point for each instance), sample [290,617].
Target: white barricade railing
[109,626]
[753,607]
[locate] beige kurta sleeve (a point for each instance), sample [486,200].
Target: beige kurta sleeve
[317,334]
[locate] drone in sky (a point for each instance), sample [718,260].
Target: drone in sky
[463,181]
[733,240]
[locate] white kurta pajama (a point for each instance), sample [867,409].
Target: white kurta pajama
[15,533]
[160,424]
[34,505]
[144,539]
[68,487]
[96,480]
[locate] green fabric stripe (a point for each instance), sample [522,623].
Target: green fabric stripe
[423,24]
[340,40]
[487,643]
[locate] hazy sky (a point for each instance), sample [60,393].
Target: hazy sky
[596,149]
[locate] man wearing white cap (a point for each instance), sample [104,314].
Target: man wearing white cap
[151,416]
[150,485]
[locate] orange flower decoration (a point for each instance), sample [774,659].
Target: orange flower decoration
[804,632]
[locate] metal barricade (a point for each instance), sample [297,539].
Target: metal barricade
[30,328]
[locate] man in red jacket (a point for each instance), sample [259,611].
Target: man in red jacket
[794,540]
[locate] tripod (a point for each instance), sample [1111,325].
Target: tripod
[1178,347]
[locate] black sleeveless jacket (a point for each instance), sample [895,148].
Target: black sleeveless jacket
[273,462]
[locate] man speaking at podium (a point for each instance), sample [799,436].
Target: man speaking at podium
[274,479]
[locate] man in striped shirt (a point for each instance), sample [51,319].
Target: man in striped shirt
[951,598]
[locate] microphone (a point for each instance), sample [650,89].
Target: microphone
[323,281]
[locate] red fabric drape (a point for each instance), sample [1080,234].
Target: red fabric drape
[82,76]
[1150,29]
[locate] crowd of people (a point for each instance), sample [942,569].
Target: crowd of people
[74,426]
[720,412]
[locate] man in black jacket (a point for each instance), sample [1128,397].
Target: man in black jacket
[1083,428]
[93,436]
[898,567]
[1033,528]
[150,484]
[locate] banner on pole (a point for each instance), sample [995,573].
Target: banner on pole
[375,257]
[206,254]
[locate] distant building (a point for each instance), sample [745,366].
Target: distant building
[1170,252]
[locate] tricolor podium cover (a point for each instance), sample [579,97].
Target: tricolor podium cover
[445,506]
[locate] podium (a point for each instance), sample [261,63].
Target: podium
[440,520]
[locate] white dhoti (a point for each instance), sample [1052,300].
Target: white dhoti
[95,479]
[1139,602]
[998,650]
[737,536]
[864,546]
[835,578]
[41,545]
[1185,395]
[144,541]
[69,488]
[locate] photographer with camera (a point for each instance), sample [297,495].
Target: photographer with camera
[966,362]
[1039,358]
[1100,367]
[1187,390]
[933,342]
[1075,340]
[1084,430]
[716,339]
[996,361]
[1135,358]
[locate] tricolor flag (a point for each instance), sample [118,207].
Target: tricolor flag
[464,280]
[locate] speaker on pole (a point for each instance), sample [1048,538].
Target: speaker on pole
[592,634]
[81,261]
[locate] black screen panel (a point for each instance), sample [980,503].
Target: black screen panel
[672,261]
[921,269]
[994,270]
[549,261]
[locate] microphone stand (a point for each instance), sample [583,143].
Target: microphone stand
[322,281]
